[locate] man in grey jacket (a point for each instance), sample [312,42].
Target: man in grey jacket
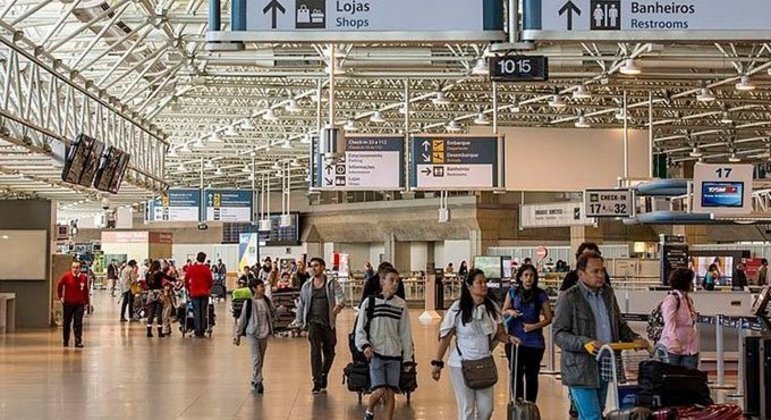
[321,299]
[587,317]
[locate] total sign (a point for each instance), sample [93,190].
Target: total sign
[651,19]
[608,203]
[722,189]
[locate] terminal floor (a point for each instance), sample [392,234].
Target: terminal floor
[123,374]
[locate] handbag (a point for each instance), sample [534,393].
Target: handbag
[480,373]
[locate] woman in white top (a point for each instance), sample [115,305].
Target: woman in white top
[476,322]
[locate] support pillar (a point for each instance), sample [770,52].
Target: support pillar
[580,234]
[694,235]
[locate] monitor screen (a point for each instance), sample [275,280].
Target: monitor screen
[490,265]
[112,167]
[506,267]
[82,161]
[722,194]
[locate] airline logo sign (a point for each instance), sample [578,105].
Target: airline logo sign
[456,163]
[608,203]
[370,163]
[688,19]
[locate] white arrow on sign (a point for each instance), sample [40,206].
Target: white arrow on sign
[426,145]
[426,158]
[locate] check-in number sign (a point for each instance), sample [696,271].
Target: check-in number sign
[608,203]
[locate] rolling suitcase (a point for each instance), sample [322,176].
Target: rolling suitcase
[634,413]
[710,412]
[518,408]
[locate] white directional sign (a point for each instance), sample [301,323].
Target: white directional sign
[456,162]
[722,189]
[370,163]
[608,203]
[553,215]
[652,19]
[352,20]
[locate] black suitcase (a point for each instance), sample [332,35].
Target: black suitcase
[408,380]
[356,376]
[666,385]
[519,409]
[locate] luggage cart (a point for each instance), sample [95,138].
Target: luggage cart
[619,367]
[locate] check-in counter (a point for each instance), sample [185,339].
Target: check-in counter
[727,303]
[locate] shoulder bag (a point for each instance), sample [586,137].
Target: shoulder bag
[478,374]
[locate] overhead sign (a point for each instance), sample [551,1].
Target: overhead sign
[229,205]
[608,203]
[369,163]
[651,19]
[364,20]
[176,206]
[519,69]
[456,163]
[553,215]
[722,189]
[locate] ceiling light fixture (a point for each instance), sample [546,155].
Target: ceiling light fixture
[350,125]
[218,172]
[453,126]
[199,143]
[630,68]
[246,169]
[229,131]
[695,153]
[247,124]
[582,93]
[403,110]
[292,106]
[269,115]
[557,102]
[377,117]
[481,119]
[172,152]
[705,95]
[582,123]
[286,144]
[734,158]
[745,84]
[210,164]
[725,118]
[481,68]
[440,99]
[621,115]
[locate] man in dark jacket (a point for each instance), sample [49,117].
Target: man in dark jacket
[72,290]
[199,281]
[571,278]
[587,317]
[372,284]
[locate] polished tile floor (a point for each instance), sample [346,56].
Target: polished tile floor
[122,374]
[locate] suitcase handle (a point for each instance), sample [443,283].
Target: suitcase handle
[514,364]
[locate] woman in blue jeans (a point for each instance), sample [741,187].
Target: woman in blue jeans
[528,312]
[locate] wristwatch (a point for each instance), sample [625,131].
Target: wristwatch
[437,363]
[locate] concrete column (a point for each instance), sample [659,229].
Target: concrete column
[390,247]
[475,243]
[580,234]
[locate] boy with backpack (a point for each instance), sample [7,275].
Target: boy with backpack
[256,324]
[383,334]
[238,298]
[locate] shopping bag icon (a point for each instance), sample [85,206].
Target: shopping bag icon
[303,14]
[317,16]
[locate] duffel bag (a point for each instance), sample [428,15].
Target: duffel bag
[666,385]
[408,379]
[356,376]
[711,412]
[634,413]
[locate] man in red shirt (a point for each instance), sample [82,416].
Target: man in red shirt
[198,281]
[72,291]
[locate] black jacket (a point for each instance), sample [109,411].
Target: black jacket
[372,288]
[571,279]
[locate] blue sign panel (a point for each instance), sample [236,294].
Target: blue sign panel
[456,162]
[176,206]
[722,194]
[229,205]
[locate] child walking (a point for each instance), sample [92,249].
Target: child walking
[256,324]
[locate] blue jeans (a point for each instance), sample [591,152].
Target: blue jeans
[689,361]
[590,402]
[200,309]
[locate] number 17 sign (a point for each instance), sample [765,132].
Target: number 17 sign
[724,189]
